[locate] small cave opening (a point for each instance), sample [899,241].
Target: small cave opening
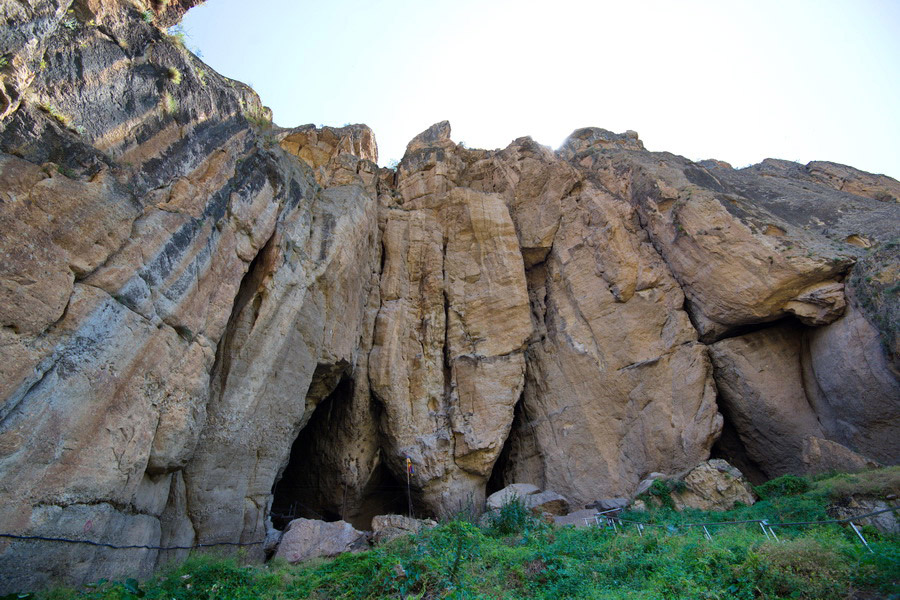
[383,494]
[316,482]
[730,447]
[303,491]
[519,460]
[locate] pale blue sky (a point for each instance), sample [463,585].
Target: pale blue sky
[734,80]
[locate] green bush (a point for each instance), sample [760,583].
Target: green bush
[786,485]
[517,556]
[513,518]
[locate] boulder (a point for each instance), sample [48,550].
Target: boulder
[515,490]
[762,392]
[853,507]
[612,503]
[825,456]
[307,538]
[389,527]
[714,485]
[547,502]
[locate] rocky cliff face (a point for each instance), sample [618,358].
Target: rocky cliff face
[210,323]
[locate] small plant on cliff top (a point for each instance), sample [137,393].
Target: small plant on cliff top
[174,75]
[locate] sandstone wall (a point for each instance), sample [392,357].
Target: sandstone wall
[182,284]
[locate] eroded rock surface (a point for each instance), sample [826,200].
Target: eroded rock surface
[209,324]
[714,485]
[305,539]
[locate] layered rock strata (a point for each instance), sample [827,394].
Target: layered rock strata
[208,323]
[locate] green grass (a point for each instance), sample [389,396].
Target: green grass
[518,556]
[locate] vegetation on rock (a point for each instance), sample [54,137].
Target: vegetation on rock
[519,556]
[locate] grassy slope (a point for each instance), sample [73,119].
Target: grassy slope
[519,557]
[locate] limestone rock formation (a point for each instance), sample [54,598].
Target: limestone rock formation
[514,491]
[389,527]
[761,389]
[210,326]
[547,502]
[713,485]
[305,539]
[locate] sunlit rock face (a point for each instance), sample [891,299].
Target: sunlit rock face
[210,325]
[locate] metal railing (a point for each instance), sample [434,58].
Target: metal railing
[612,521]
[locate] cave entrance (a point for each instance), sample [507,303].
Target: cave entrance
[318,481]
[730,448]
[519,460]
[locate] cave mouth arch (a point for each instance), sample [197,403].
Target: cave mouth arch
[315,484]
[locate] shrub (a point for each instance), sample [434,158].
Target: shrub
[174,75]
[786,485]
[513,518]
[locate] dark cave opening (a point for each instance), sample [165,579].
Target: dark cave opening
[303,491]
[383,494]
[501,474]
[730,447]
[315,484]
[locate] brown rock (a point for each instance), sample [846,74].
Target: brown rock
[447,360]
[578,518]
[760,383]
[305,539]
[389,527]
[546,502]
[825,456]
[851,385]
[194,309]
[517,491]
[714,485]
[742,246]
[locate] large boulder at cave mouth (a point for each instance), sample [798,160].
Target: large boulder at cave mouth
[389,527]
[713,485]
[513,491]
[548,502]
[308,538]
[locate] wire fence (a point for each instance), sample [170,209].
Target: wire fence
[608,517]
[614,522]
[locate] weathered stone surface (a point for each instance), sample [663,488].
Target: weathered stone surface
[852,386]
[389,527]
[306,538]
[615,503]
[613,363]
[645,483]
[578,518]
[742,246]
[337,155]
[517,491]
[447,360]
[826,456]
[855,506]
[761,389]
[714,485]
[198,309]
[546,502]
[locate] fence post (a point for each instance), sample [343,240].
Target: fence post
[859,533]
